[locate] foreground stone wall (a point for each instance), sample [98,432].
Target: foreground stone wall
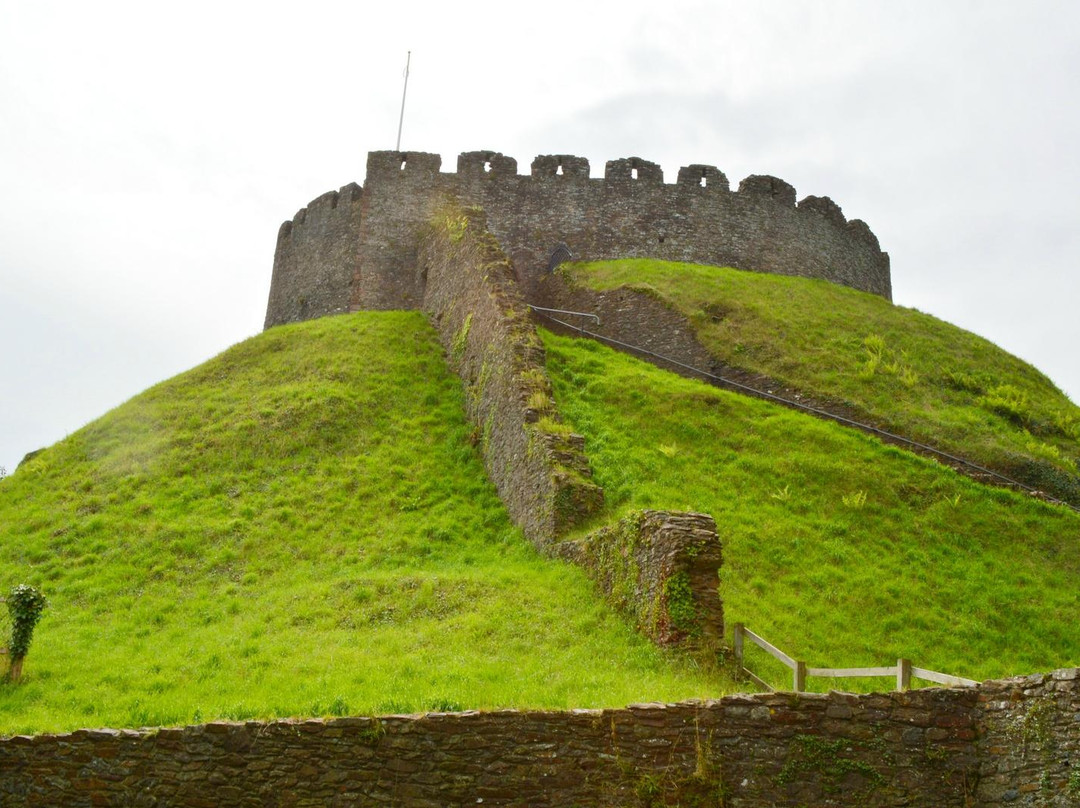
[1030,748]
[365,255]
[755,751]
[537,464]
[1011,742]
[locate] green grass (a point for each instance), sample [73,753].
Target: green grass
[898,368]
[300,526]
[840,550]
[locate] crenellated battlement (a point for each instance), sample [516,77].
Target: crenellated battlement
[356,247]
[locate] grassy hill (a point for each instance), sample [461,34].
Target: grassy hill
[839,549]
[891,366]
[303,525]
[300,526]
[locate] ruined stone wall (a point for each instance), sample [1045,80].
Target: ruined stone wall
[631,212]
[315,259]
[537,464]
[661,569]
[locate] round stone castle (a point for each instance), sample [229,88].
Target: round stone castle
[356,248]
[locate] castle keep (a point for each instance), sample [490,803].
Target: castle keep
[476,248]
[356,248]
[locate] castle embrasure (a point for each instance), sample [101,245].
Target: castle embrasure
[356,248]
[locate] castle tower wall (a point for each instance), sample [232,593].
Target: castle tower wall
[315,259]
[629,213]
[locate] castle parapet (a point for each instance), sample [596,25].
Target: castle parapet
[630,169]
[762,185]
[823,206]
[486,163]
[700,176]
[396,164]
[556,165]
[357,248]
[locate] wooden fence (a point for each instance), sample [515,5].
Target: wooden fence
[903,670]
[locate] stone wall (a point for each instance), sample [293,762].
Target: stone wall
[1012,742]
[1030,746]
[631,316]
[631,212]
[315,259]
[661,569]
[741,751]
[537,464]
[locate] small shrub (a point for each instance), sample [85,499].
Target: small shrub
[551,426]
[965,382]
[1044,450]
[856,500]
[539,401]
[1007,402]
[1067,423]
[25,605]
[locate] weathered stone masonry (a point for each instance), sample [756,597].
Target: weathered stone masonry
[1004,743]
[661,569]
[357,248]
[539,469]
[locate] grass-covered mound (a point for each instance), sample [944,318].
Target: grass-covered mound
[299,526]
[895,367]
[840,550]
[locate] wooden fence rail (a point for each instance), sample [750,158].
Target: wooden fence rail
[903,671]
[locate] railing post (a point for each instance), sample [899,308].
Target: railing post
[738,643]
[903,674]
[800,676]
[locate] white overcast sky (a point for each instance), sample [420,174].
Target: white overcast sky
[150,150]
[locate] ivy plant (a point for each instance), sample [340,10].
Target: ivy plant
[25,604]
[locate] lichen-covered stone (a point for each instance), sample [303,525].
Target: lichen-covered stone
[661,569]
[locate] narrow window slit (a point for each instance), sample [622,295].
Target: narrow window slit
[633,173]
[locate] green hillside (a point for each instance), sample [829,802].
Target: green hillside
[303,525]
[891,366]
[840,550]
[299,526]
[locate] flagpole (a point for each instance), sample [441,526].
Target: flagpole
[401,119]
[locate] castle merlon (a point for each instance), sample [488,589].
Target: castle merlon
[356,248]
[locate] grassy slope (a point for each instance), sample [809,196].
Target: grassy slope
[840,550]
[917,375]
[299,526]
